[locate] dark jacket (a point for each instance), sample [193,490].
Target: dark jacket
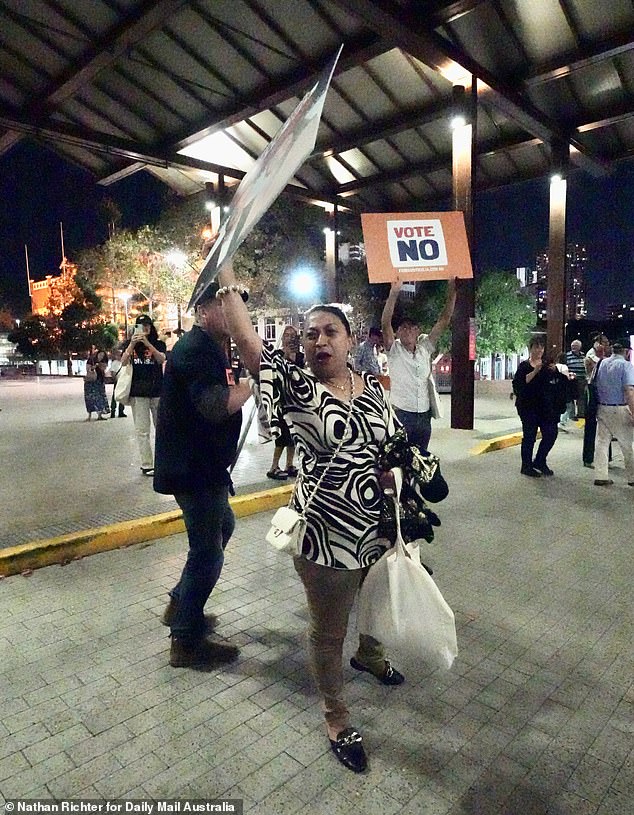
[544,396]
[195,438]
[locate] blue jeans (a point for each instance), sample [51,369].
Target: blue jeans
[210,522]
[417,426]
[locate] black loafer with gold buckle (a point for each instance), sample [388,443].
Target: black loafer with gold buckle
[349,750]
[390,675]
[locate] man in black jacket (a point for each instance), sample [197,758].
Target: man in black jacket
[197,434]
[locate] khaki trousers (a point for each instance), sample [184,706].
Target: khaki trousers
[613,421]
[144,412]
[330,594]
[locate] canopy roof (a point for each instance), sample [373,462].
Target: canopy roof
[121,85]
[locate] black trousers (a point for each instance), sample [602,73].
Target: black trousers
[531,423]
[113,406]
[590,428]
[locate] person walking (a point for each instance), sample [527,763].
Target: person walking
[571,392]
[115,367]
[146,353]
[575,360]
[365,355]
[540,391]
[95,398]
[338,419]
[598,351]
[614,381]
[409,356]
[290,349]
[199,419]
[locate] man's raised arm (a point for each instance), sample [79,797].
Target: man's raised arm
[388,313]
[447,313]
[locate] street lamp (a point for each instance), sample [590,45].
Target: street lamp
[303,284]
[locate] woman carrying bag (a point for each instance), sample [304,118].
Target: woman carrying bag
[338,420]
[146,353]
[94,386]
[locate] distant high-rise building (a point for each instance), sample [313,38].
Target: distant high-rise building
[528,280]
[620,311]
[576,260]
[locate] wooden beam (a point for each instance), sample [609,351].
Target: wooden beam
[404,30]
[296,81]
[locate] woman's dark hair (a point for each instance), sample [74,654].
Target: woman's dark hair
[335,311]
[534,342]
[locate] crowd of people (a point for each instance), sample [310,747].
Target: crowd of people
[330,416]
[597,387]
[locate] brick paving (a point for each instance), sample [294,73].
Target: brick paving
[535,717]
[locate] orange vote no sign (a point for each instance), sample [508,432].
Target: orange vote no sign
[415,246]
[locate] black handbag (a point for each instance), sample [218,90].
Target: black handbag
[422,481]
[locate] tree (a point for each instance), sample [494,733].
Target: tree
[36,338]
[504,314]
[287,238]
[139,259]
[81,325]
[63,290]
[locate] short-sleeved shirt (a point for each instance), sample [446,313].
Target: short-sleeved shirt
[613,375]
[575,363]
[343,515]
[409,375]
[193,450]
[147,373]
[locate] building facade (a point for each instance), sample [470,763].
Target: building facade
[576,307]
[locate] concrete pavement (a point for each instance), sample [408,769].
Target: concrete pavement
[535,716]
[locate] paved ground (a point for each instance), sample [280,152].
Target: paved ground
[62,474]
[536,716]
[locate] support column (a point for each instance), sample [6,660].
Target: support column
[332,255]
[462,368]
[556,284]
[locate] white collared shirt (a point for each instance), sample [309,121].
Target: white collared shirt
[409,372]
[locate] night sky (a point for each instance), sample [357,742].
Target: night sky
[39,189]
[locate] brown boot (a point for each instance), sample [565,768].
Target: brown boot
[201,653]
[211,620]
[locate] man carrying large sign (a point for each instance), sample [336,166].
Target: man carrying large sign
[409,354]
[412,246]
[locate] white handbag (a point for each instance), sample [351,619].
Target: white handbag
[287,530]
[123,385]
[288,526]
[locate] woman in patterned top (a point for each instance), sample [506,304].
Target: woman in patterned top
[322,405]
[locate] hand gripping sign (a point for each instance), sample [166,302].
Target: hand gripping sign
[416,246]
[273,170]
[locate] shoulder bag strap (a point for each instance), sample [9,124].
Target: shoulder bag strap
[334,455]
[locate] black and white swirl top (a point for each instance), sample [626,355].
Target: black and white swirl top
[343,515]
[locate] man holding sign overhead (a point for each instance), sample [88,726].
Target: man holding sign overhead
[409,356]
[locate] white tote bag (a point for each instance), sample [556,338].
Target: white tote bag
[123,385]
[402,607]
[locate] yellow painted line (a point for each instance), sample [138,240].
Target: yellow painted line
[499,443]
[74,545]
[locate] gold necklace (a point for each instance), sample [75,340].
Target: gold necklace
[343,388]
